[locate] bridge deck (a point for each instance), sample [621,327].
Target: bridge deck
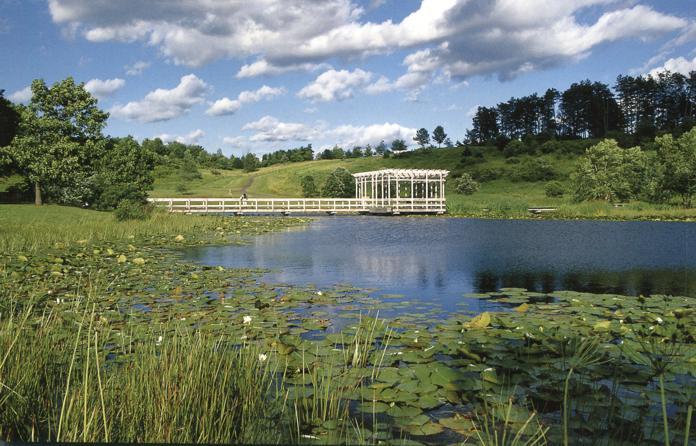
[302,205]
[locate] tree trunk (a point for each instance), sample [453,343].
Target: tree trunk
[37,194]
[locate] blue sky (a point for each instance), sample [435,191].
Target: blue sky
[270,74]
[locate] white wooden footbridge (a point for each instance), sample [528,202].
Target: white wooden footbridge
[388,191]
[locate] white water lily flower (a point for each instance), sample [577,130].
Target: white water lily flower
[319,293]
[262,357]
[659,320]
[246,320]
[159,340]
[652,327]
[489,369]
[415,340]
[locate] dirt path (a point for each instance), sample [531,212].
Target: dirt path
[246,185]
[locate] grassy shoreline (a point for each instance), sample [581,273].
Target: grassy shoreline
[94,303]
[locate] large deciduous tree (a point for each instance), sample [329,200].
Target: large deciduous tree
[677,159]
[608,172]
[340,184]
[9,121]
[124,173]
[58,138]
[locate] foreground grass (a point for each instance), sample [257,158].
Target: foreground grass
[28,228]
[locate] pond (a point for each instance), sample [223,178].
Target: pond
[438,260]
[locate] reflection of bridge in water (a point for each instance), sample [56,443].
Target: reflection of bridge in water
[388,191]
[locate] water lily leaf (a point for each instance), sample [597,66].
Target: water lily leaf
[522,308]
[459,424]
[602,326]
[428,402]
[429,428]
[483,320]
[388,375]
[442,375]
[397,411]
[373,407]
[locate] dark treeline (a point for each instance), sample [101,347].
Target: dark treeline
[175,152]
[639,107]
[304,153]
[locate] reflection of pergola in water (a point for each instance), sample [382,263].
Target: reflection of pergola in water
[403,190]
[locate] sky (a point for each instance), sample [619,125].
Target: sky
[257,76]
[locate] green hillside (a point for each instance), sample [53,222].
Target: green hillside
[499,197]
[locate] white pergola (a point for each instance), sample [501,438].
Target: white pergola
[403,189]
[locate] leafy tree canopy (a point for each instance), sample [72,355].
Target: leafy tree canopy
[340,184]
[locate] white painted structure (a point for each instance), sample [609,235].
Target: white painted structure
[389,191]
[403,190]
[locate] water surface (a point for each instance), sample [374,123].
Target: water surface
[438,260]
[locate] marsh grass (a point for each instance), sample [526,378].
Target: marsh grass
[25,228]
[495,427]
[334,383]
[182,387]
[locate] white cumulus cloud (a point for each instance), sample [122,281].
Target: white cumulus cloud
[270,129]
[102,88]
[21,96]
[350,135]
[465,37]
[676,65]
[335,85]
[136,68]
[190,138]
[165,104]
[227,106]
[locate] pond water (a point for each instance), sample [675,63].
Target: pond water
[438,260]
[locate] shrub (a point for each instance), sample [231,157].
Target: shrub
[516,148]
[132,210]
[466,185]
[116,193]
[534,169]
[512,160]
[309,187]
[551,146]
[554,189]
[189,174]
[215,172]
[487,174]
[340,184]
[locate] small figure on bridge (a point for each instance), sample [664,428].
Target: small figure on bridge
[243,198]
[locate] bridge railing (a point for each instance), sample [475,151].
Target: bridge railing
[299,205]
